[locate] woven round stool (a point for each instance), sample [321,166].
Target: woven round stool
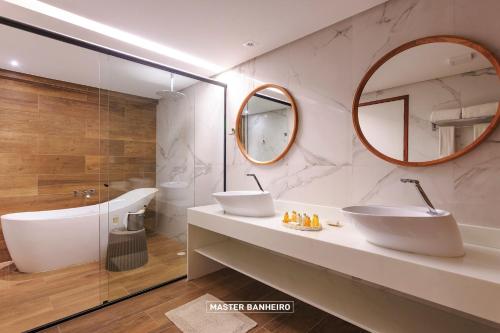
[126,250]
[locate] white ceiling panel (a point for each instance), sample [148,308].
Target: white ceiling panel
[213,30]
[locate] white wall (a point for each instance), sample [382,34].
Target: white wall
[328,165]
[189,154]
[174,164]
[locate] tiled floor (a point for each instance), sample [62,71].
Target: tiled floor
[146,313]
[30,300]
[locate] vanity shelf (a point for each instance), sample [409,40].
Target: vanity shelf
[336,270]
[348,298]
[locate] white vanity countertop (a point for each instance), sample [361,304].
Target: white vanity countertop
[470,284]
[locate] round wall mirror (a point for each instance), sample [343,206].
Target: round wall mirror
[267,123]
[428,101]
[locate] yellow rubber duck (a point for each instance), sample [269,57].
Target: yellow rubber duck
[294,216]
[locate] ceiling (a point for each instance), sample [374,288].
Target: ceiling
[213,30]
[52,59]
[425,62]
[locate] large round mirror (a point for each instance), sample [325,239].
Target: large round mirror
[267,123]
[428,101]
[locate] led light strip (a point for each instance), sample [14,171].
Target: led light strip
[123,36]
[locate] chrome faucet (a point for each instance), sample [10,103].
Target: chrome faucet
[87,194]
[256,180]
[430,206]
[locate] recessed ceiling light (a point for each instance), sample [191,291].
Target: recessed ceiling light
[123,36]
[249,43]
[14,63]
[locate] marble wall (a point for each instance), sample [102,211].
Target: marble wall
[328,165]
[189,154]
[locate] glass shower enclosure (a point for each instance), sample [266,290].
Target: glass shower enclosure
[147,136]
[101,156]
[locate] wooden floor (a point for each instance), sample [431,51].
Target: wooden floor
[146,313]
[30,300]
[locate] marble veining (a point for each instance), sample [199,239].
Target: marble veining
[328,165]
[375,190]
[468,176]
[456,98]
[189,154]
[344,33]
[395,23]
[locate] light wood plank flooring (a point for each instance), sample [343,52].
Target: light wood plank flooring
[146,313]
[30,300]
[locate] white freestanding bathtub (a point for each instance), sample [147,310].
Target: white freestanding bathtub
[47,240]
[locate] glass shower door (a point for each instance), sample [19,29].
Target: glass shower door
[49,121]
[148,166]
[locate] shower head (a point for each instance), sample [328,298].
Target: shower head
[170,93]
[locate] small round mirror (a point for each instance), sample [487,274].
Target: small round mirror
[428,101]
[266,125]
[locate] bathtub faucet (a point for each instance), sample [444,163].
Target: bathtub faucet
[84,193]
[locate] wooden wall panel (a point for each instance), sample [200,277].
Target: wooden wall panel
[18,186]
[19,143]
[19,121]
[58,137]
[18,100]
[64,184]
[64,145]
[18,164]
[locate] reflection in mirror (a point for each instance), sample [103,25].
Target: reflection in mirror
[430,102]
[266,124]
[386,116]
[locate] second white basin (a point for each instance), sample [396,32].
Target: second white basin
[409,229]
[246,203]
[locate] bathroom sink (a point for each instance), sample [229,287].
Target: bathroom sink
[410,229]
[176,192]
[246,203]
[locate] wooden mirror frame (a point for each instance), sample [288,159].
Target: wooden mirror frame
[293,132]
[426,40]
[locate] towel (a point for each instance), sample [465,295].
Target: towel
[446,140]
[481,110]
[448,114]
[479,129]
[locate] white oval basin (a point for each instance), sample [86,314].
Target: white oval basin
[246,203]
[409,229]
[176,192]
[174,184]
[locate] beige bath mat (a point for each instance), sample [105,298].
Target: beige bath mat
[192,317]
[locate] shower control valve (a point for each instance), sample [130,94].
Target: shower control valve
[87,194]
